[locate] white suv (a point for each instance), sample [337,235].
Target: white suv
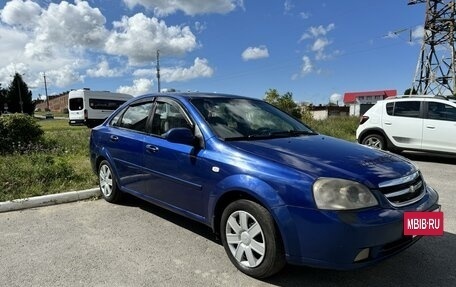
[424,123]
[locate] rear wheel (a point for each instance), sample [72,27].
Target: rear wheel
[375,140]
[108,183]
[251,239]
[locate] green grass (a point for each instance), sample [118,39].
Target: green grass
[64,165]
[339,127]
[55,114]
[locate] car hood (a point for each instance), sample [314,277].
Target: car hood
[323,156]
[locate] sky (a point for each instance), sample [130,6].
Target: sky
[316,50]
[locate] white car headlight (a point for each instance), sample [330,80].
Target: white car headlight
[341,194]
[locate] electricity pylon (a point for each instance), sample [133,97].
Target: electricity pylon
[435,71]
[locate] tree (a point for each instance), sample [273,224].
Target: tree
[18,97]
[284,102]
[410,91]
[2,98]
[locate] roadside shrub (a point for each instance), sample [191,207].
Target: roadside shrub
[18,132]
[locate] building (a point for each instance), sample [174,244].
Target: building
[360,102]
[324,112]
[57,103]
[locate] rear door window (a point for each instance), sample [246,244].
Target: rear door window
[76,104]
[441,111]
[135,117]
[168,115]
[409,109]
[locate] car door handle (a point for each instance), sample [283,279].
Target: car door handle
[114,138]
[430,127]
[388,123]
[151,148]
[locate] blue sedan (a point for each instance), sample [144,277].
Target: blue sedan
[274,190]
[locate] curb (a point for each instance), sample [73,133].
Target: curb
[51,199]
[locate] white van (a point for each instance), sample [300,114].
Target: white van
[91,108]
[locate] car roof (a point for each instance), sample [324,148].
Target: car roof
[426,98]
[414,97]
[194,95]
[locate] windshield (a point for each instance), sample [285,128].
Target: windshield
[239,119]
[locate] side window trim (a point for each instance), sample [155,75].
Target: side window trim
[438,113]
[173,103]
[125,109]
[410,115]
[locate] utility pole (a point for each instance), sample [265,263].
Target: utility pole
[46,91]
[435,70]
[158,70]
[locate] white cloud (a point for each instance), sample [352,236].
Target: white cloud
[418,33]
[21,13]
[69,41]
[305,15]
[189,7]
[139,37]
[253,53]
[69,25]
[200,27]
[320,41]
[320,44]
[317,31]
[141,73]
[307,66]
[319,47]
[139,87]
[11,44]
[288,6]
[199,69]
[336,99]
[103,70]
[55,39]
[64,76]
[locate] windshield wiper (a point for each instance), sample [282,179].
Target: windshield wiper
[292,133]
[249,137]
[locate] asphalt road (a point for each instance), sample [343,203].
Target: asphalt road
[94,243]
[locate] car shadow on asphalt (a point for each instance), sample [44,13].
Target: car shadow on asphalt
[181,221]
[427,263]
[429,157]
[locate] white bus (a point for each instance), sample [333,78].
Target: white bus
[91,108]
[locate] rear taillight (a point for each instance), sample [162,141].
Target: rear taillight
[363,119]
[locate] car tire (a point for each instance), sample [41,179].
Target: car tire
[251,239]
[375,140]
[108,183]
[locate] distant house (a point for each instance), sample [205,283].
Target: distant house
[324,112]
[360,102]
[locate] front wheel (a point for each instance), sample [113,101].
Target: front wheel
[375,140]
[108,183]
[251,239]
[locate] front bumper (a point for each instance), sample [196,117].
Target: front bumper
[349,239]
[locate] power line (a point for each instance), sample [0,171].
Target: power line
[435,70]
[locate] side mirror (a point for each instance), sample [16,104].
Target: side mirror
[181,136]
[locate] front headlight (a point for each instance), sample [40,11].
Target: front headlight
[341,194]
